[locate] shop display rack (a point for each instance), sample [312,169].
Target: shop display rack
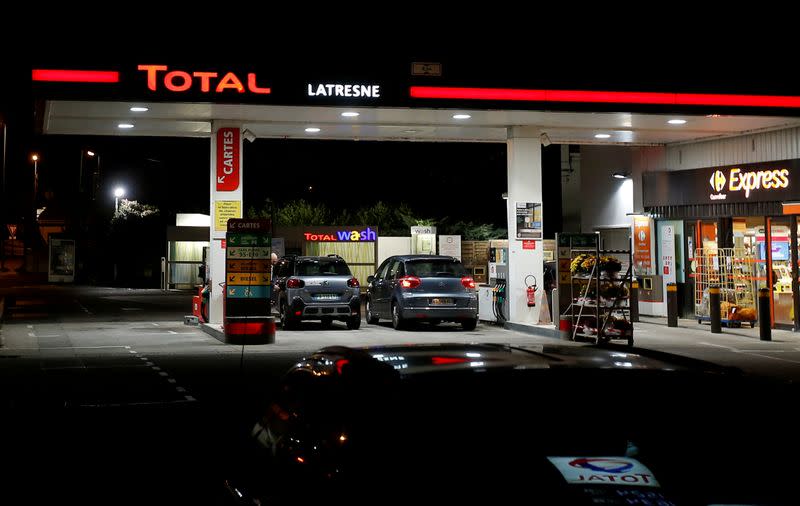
[734,271]
[600,283]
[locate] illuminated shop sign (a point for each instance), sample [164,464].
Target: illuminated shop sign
[752,182]
[344,90]
[342,235]
[739,180]
[206,82]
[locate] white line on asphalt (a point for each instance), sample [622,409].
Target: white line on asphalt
[133,351]
[172,380]
[190,398]
[30,326]
[51,335]
[142,358]
[162,373]
[155,324]
[69,348]
[764,351]
[149,364]
[775,358]
[31,334]
[122,404]
[172,332]
[720,346]
[127,347]
[155,367]
[180,389]
[131,309]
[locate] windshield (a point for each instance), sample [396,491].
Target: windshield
[323,268]
[435,268]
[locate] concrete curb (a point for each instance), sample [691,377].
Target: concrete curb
[220,335]
[531,329]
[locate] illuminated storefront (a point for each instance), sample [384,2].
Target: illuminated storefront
[744,218]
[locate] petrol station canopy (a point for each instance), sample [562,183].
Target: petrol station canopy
[419,101]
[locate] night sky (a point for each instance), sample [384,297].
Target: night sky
[459,180]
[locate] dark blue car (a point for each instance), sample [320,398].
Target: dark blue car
[422,288]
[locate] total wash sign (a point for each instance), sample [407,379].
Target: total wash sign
[739,180]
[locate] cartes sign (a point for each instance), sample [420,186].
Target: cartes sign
[228,159]
[755,182]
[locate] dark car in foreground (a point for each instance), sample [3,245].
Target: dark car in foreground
[429,288]
[490,424]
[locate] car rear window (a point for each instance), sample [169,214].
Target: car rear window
[435,268]
[322,268]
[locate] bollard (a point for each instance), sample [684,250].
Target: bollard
[634,301]
[714,310]
[565,327]
[672,305]
[764,319]
[554,306]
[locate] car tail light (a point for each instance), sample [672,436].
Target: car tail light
[295,283]
[409,282]
[352,283]
[468,282]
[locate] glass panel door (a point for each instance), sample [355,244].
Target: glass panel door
[781,271]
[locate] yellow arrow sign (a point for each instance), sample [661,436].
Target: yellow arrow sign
[248,278]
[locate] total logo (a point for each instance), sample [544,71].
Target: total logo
[618,471]
[771,179]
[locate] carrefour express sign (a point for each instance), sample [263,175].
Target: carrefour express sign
[757,182]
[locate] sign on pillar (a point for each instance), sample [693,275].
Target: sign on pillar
[226,204]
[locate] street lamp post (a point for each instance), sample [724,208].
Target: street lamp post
[119,192]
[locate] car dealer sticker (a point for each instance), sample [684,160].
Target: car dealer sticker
[604,471]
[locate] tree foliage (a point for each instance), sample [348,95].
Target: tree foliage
[391,220]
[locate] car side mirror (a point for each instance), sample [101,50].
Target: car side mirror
[370,279]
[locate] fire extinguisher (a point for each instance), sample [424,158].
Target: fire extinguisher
[531,290]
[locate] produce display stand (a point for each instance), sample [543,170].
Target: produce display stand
[734,271]
[599,305]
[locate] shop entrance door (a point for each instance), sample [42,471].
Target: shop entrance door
[779,274]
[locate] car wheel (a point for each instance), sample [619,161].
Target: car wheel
[354,322]
[397,320]
[469,324]
[372,319]
[287,322]
[326,321]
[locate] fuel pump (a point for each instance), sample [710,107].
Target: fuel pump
[530,291]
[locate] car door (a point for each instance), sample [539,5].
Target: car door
[280,273]
[389,284]
[378,288]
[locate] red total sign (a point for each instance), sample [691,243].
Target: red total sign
[228,173]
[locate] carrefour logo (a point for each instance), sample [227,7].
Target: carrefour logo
[602,465]
[737,180]
[717,181]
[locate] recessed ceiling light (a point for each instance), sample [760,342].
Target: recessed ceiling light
[602,136]
[461,116]
[312,130]
[409,131]
[125,125]
[350,114]
[676,121]
[620,175]
[139,109]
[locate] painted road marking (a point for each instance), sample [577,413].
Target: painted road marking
[149,364]
[30,326]
[131,309]
[172,380]
[127,347]
[162,373]
[172,332]
[748,352]
[132,351]
[31,334]
[154,324]
[155,367]
[180,389]
[51,335]
[190,398]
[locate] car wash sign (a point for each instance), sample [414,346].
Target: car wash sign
[619,471]
[365,235]
[755,182]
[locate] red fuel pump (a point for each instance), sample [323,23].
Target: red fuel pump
[531,290]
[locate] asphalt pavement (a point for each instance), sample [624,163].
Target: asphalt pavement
[108,397]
